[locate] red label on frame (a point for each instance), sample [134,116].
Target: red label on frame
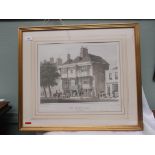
[27,122]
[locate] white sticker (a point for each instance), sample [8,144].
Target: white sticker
[28,38]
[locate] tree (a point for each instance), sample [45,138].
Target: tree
[48,76]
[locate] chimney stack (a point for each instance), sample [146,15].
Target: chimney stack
[84,52]
[52,60]
[68,57]
[59,61]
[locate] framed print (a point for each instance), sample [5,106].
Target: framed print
[80,77]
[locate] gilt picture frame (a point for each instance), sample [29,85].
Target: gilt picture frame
[80,78]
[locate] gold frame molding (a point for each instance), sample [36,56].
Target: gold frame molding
[137,127]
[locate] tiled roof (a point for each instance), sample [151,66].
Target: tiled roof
[68,62]
[90,57]
[95,58]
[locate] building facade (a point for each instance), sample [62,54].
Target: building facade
[84,76]
[111,82]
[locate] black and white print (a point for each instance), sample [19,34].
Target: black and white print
[79,72]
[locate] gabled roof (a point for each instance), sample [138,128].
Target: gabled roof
[68,62]
[98,59]
[89,58]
